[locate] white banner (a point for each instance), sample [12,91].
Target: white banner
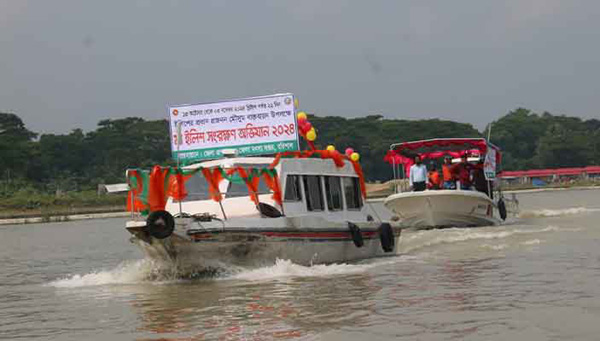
[489,166]
[252,126]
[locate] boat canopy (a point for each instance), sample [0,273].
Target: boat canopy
[404,153]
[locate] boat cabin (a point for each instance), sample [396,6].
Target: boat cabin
[307,186]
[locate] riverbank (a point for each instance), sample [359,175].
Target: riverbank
[58,214]
[27,206]
[60,218]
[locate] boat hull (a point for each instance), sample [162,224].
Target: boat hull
[443,208]
[194,250]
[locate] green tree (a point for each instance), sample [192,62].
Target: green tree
[16,147]
[561,146]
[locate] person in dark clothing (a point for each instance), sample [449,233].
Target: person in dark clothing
[462,172]
[479,181]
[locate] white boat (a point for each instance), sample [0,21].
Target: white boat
[446,207]
[443,208]
[322,217]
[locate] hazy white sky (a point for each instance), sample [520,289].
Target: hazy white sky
[69,64]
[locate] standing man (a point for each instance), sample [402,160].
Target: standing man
[418,175]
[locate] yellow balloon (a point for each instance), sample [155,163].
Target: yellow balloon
[301,115]
[296,103]
[311,135]
[354,156]
[330,148]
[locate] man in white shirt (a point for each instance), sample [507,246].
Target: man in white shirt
[417,175]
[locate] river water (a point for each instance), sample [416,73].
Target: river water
[535,278]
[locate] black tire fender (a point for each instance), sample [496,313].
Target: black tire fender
[502,209]
[269,211]
[357,237]
[160,224]
[386,236]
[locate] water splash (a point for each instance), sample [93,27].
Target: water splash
[556,213]
[287,269]
[129,272]
[434,238]
[147,271]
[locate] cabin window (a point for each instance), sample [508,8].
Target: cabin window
[197,188]
[238,188]
[333,191]
[352,193]
[313,192]
[292,188]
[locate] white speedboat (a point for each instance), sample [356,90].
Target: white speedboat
[446,207]
[308,210]
[443,208]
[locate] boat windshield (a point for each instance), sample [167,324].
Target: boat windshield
[197,186]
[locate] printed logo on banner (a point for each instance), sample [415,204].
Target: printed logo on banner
[252,126]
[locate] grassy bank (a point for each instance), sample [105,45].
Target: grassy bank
[28,203]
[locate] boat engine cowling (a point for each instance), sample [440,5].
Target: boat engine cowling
[160,224]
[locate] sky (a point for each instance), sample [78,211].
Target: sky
[69,64]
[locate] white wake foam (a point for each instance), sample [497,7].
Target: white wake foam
[532,242]
[430,238]
[287,269]
[556,213]
[146,271]
[131,272]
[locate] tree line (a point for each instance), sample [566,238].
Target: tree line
[81,160]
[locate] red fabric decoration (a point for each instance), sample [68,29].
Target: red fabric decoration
[213,179]
[361,178]
[135,192]
[273,184]
[176,189]
[157,198]
[251,183]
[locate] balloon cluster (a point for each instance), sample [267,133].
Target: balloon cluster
[354,156]
[350,153]
[306,129]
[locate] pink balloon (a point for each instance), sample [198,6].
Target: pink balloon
[349,151]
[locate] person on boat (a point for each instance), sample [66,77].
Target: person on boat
[434,177]
[418,175]
[449,180]
[462,171]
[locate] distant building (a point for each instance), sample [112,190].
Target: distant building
[541,177]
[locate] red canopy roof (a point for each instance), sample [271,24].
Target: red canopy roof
[444,144]
[436,148]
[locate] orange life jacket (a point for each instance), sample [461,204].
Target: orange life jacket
[447,172]
[434,178]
